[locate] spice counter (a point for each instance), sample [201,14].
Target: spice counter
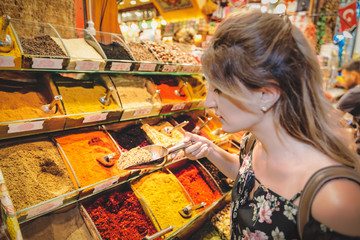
[97,186]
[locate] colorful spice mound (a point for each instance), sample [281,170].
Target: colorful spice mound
[82,149]
[165,197]
[84,100]
[206,232]
[34,172]
[167,93]
[115,50]
[43,45]
[158,136]
[134,157]
[221,221]
[224,183]
[130,137]
[23,102]
[196,186]
[120,216]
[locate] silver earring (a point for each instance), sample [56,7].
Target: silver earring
[263,108]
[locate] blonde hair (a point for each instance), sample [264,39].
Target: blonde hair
[259,50]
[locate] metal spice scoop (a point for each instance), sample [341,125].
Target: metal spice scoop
[6,43]
[52,107]
[197,129]
[186,212]
[159,155]
[105,100]
[180,91]
[108,160]
[159,233]
[169,130]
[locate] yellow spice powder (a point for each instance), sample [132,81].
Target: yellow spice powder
[83,100]
[158,136]
[165,197]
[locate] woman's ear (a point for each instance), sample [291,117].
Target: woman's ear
[269,96]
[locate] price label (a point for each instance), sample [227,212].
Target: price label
[7,61]
[178,106]
[187,68]
[95,117]
[142,111]
[147,67]
[44,208]
[169,68]
[23,127]
[104,185]
[47,63]
[117,66]
[87,65]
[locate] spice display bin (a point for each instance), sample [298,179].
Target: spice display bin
[196,52]
[64,223]
[137,95]
[32,37]
[197,90]
[169,61]
[118,55]
[53,165]
[192,227]
[129,197]
[84,51]
[11,59]
[25,99]
[145,59]
[89,99]
[189,64]
[174,94]
[165,214]
[82,148]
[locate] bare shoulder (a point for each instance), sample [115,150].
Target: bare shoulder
[337,205]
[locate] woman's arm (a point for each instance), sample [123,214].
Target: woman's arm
[202,147]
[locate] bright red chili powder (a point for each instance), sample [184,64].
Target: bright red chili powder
[196,186]
[120,216]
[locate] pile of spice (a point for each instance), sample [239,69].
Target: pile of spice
[198,189]
[170,90]
[141,52]
[115,50]
[134,157]
[20,102]
[43,45]
[206,232]
[165,198]
[82,99]
[182,55]
[34,172]
[157,135]
[79,48]
[119,215]
[82,151]
[224,183]
[135,91]
[130,137]
[221,221]
[162,51]
[68,225]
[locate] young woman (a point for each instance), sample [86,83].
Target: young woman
[263,77]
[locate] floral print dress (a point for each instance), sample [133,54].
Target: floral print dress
[267,215]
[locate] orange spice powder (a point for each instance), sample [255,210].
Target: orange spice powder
[82,149]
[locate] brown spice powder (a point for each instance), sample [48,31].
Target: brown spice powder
[34,173]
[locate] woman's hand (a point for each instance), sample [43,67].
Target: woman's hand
[200,148]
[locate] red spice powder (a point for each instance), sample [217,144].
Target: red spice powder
[196,186]
[168,95]
[120,216]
